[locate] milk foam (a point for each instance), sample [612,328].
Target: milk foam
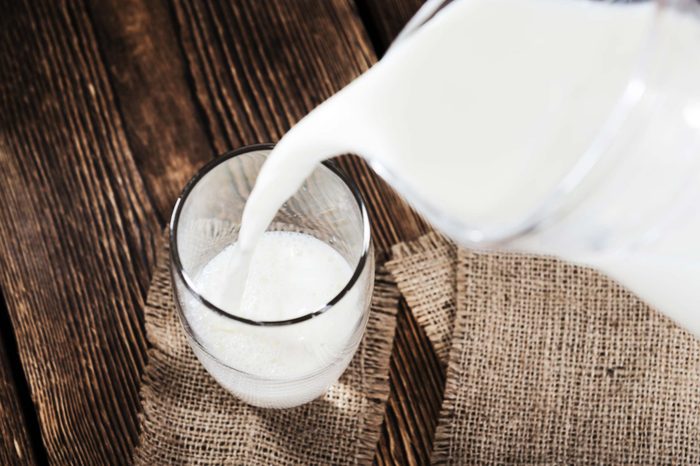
[291,274]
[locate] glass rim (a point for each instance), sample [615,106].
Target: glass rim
[189,283]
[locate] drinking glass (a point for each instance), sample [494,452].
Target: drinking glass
[206,219]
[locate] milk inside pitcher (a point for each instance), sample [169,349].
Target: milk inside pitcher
[629,204]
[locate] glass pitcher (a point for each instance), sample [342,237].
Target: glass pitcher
[630,205]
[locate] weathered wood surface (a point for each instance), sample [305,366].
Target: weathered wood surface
[77,228]
[143,57]
[106,108]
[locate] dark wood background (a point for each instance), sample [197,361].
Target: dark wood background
[107,107]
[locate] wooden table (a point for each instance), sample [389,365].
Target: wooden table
[107,107]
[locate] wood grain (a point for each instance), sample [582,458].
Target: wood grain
[77,229]
[15,446]
[144,60]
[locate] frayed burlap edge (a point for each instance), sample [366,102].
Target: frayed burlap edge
[436,318]
[426,242]
[442,440]
[378,351]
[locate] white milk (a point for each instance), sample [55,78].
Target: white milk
[477,117]
[291,274]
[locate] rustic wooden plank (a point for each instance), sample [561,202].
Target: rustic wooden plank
[384,19]
[78,233]
[15,446]
[147,69]
[258,67]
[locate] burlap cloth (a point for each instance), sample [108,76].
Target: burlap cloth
[188,418]
[425,274]
[552,363]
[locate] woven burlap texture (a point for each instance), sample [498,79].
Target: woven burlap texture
[188,418]
[425,274]
[550,363]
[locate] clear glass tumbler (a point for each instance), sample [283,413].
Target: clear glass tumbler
[311,350]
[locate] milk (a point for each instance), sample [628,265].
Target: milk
[495,109]
[291,274]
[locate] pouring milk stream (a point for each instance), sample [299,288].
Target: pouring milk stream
[565,127]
